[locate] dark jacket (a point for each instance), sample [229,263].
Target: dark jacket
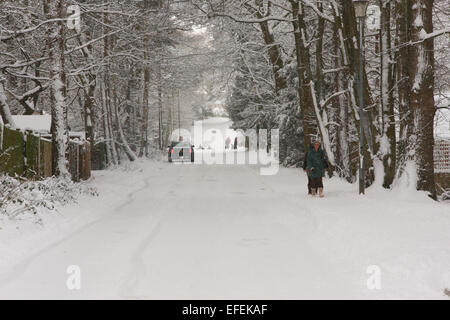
[316,162]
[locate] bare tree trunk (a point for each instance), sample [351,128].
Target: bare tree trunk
[304,74]
[145,101]
[126,147]
[388,139]
[160,109]
[130,125]
[324,113]
[339,105]
[111,144]
[89,111]
[146,87]
[172,104]
[319,54]
[89,94]
[5,112]
[273,48]
[402,16]
[109,156]
[54,9]
[350,33]
[421,81]
[109,121]
[351,124]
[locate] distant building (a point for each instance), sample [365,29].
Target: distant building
[214,132]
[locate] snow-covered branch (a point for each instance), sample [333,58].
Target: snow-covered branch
[13,34]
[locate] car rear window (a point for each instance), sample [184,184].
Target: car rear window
[182,144]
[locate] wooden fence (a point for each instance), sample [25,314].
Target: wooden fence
[30,154]
[79,155]
[442,156]
[12,160]
[98,156]
[442,164]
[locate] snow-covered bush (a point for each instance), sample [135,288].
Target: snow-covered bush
[19,196]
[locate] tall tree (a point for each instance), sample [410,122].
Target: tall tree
[304,72]
[58,93]
[421,82]
[388,139]
[5,112]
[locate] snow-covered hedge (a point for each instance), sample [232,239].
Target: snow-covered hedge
[19,196]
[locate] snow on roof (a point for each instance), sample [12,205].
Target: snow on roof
[40,123]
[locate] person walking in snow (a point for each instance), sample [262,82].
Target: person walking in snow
[227,143]
[316,163]
[304,169]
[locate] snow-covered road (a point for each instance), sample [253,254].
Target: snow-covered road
[218,232]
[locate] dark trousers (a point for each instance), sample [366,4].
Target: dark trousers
[316,183]
[310,185]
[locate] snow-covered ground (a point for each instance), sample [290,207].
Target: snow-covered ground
[217,232]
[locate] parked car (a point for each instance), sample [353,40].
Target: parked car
[181,151]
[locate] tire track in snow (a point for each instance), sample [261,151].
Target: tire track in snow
[138,267]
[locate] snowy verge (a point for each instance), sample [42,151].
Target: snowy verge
[50,210]
[21,198]
[402,232]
